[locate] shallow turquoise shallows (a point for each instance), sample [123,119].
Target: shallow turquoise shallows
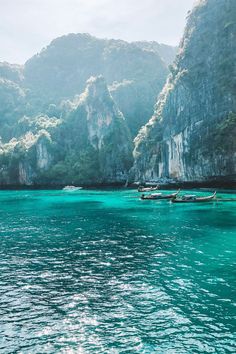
[104,272]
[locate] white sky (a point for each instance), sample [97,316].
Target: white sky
[26,26]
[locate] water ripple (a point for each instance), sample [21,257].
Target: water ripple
[101,273]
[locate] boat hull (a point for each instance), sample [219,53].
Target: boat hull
[163,197]
[148,190]
[196,200]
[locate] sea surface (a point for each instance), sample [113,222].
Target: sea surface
[100,271]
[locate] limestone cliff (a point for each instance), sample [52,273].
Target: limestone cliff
[61,70]
[23,161]
[90,144]
[94,138]
[191,136]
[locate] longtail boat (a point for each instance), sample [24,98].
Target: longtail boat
[193,199]
[147,189]
[159,196]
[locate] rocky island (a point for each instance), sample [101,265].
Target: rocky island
[118,178]
[72,112]
[191,136]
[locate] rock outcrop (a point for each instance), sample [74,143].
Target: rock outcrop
[191,136]
[24,161]
[61,70]
[135,73]
[90,144]
[95,138]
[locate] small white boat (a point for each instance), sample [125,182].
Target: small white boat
[71,188]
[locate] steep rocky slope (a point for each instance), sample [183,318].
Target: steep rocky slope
[61,70]
[89,144]
[135,73]
[166,52]
[50,135]
[191,136]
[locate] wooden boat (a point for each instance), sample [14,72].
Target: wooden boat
[147,189]
[193,199]
[159,196]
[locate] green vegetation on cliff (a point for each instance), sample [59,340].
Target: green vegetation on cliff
[191,136]
[61,70]
[89,144]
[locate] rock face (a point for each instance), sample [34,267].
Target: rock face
[61,70]
[95,138]
[50,136]
[191,136]
[23,161]
[90,144]
[135,73]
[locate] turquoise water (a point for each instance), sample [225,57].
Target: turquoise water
[104,272]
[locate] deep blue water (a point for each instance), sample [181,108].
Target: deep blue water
[104,272]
